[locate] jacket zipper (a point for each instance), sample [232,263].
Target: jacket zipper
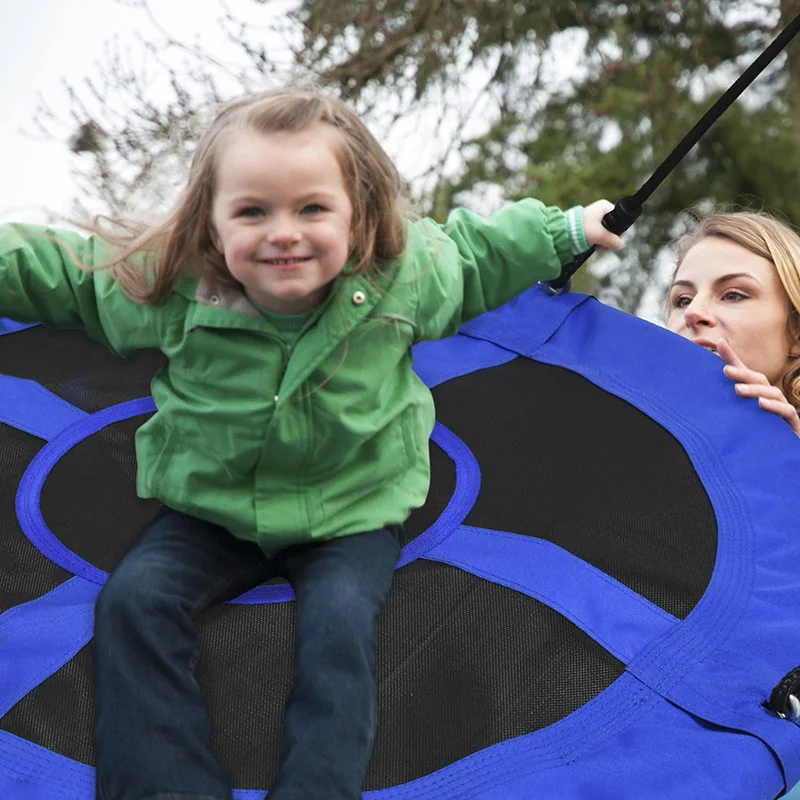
[286,350]
[286,354]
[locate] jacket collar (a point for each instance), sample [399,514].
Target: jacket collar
[210,292]
[219,295]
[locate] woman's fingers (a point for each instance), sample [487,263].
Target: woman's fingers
[752,384]
[772,399]
[783,409]
[760,390]
[737,371]
[744,375]
[727,354]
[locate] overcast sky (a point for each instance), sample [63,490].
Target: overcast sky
[44,43]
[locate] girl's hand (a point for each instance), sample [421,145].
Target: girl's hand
[753,384]
[593,228]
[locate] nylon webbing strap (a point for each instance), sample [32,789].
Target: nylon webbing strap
[627,209]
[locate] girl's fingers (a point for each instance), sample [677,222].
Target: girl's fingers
[608,241]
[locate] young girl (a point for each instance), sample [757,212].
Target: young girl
[291,437]
[736,291]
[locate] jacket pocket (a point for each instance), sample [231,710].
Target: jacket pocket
[159,462]
[387,457]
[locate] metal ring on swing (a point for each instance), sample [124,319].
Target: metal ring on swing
[794,714]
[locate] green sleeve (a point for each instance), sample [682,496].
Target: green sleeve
[471,265]
[39,282]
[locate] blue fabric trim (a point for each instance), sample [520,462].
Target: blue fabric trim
[29,493]
[468,485]
[542,764]
[616,617]
[437,362]
[522,329]
[39,637]
[9,326]
[29,513]
[723,660]
[30,772]
[29,407]
[646,749]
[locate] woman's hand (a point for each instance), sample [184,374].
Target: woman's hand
[593,228]
[753,384]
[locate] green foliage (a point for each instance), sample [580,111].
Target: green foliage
[646,73]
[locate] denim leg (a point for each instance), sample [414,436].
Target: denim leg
[331,714]
[153,729]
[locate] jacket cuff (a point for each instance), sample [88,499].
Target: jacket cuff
[574,222]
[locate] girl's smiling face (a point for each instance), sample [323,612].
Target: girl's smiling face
[282,216]
[723,291]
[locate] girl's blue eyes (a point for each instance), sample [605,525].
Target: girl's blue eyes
[254,211]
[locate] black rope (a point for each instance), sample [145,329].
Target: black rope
[627,209]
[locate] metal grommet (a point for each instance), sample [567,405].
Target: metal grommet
[359,298]
[214,300]
[783,700]
[794,714]
[552,291]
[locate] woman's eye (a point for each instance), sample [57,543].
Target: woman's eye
[681,301]
[735,295]
[313,208]
[250,211]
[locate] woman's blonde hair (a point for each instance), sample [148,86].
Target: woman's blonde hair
[183,239]
[768,238]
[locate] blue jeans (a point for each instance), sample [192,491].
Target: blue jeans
[153,728]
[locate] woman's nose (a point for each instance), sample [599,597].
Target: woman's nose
[698,313]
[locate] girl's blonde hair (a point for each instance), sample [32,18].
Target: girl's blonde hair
[763,236]
[183,239]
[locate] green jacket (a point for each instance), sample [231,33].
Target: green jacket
[282,445]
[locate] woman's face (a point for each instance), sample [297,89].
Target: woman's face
[723,291]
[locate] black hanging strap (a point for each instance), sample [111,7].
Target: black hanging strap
[627,210]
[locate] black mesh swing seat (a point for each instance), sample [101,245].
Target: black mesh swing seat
[597,600]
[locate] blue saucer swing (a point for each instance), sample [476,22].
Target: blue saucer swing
[599,599]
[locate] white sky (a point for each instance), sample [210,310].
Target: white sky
[42,44]
[45,43]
